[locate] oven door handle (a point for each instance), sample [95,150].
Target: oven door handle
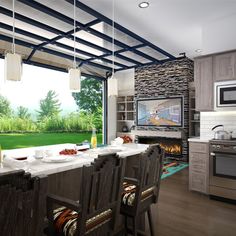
[225,155]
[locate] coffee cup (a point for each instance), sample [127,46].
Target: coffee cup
[48,153]
[39,154]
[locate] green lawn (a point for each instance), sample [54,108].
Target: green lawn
[11,141]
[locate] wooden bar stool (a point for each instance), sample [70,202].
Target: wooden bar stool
[99,205]
[22,207]
[141,192]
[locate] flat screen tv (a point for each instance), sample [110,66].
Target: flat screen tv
[166,112]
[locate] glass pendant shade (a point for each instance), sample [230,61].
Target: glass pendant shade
[13,67]
[112,86]
[75,77]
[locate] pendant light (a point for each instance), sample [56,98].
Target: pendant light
[13,61]
[74,72]
[112,82]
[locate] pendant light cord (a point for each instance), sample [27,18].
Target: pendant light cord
[74,63]
[113,37]
[13,27]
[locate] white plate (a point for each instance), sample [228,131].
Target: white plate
[107,150]
[60,158]
[37,158]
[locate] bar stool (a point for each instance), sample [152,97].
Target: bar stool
[141,192]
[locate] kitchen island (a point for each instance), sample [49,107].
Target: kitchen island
[64,177]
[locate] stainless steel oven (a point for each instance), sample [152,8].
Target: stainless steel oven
[225,95]
[223,169]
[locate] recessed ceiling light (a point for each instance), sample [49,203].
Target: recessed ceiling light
[143,4]
[198,50]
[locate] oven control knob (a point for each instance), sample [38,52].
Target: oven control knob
[234,147]
[214,146]
[218,146]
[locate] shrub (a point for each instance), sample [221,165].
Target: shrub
[16,124]
[74,122]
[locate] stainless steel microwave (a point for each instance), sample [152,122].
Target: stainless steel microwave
[225,95]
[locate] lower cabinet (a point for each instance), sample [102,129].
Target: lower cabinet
[199,167]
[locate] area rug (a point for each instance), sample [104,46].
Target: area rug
[171,167]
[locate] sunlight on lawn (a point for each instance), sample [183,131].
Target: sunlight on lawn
[12,141]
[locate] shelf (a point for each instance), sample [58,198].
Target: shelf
[125,114]
[124,133]
[194,125]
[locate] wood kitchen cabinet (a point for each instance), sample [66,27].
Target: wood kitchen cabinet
[210,69]
[199,167]
[224,66]
[203,78]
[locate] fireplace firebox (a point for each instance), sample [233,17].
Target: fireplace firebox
[172,146]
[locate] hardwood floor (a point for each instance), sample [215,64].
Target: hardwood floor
[181,212]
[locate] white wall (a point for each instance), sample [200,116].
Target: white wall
[125,87]
[210,119]
[125,82]
[219,35]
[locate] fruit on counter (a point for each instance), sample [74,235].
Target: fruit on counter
[127,139]
[68,152]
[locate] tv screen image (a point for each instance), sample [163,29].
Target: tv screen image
[160,112]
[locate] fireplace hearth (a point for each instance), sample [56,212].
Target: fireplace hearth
[172,146]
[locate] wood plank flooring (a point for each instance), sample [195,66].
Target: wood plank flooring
[185,213]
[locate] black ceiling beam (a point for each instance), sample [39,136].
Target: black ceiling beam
[117,52]
[50,41]
[48,28]
[59,32]
[49,11]
[52,52]
[105,19]
[153,63]
[33,63]
[43,39]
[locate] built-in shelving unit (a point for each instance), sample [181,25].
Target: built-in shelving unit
[125,115]
[194,115]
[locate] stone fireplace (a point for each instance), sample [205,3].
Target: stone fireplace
[172,146]
[170,79]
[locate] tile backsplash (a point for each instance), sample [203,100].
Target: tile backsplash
[210,119]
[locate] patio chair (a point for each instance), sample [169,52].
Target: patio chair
[22,200]
[97,210]
[141,192]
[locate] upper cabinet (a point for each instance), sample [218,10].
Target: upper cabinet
[224,66]
[210,69]
[204,83]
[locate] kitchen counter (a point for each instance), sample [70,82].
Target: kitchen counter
[65,179]
[199,139]
[38,167]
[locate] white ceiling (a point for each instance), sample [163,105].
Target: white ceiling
[176,25]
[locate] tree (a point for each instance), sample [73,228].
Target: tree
[5,109]
[23,112]
[90,97]
[50,106]
[97,119]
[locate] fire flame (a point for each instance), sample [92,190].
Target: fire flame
[171,149]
